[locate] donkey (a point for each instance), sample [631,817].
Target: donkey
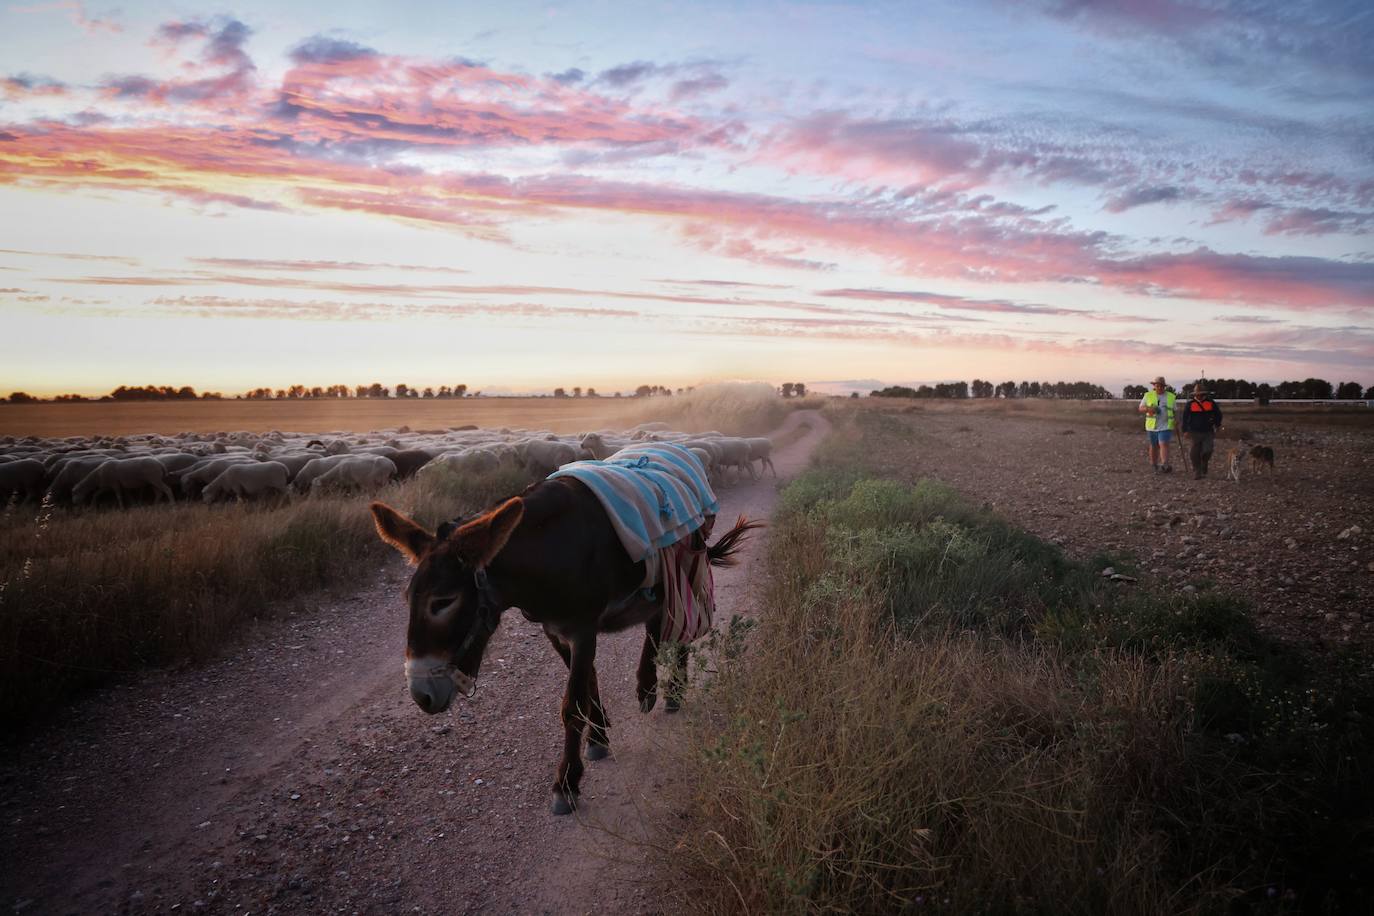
[553,553]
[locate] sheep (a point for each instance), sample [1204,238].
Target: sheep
[734,453]
[294,461]
[23,477]
[761,450]
[366,472]
[409,461]
[176,461]
[193,479]
[249,480]
[120,474]
[542,457]
[468,461]
[69,472]
[313,469]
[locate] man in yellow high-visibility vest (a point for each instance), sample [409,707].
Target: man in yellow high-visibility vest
[1158,407]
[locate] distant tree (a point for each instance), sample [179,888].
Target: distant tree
[461,391]
[643,391]
[444,392]
[1133,392]
[617,394]
[1349,391]
[428,393]
[281,394]
[22,397]
[559,393]
[591,393]
[70,398]
[786,389]
[799,389]
[577,391]
[403,390]
[853,394]
[211,396]
[1369,393]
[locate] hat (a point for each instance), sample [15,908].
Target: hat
[1200,385]
[1159,380]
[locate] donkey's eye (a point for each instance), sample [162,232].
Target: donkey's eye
[438,605]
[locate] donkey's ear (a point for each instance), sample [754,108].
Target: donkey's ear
[480,540]
[400,532]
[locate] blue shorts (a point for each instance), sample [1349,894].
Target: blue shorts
[1160,435]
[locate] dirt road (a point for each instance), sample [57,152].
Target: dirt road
[294,774]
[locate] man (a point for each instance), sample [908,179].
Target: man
[1201,420]
[1158,407]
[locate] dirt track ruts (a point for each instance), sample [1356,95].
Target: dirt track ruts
[294,774]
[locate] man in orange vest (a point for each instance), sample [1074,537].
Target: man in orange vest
[1158,407]
[1201,420]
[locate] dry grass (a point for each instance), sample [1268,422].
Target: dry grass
[89,594]
[939,712]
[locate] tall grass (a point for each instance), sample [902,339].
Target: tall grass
[940,712]
[85,595]
[734,408]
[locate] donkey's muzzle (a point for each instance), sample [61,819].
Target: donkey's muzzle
[432,694]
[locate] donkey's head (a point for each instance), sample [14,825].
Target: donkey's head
[454,609]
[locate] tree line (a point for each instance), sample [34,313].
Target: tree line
[1311,389]
[979,388]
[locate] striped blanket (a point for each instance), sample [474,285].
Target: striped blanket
[656,496]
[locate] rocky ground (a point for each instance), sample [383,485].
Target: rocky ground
[1298,543]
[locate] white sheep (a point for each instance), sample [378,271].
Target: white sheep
[191,480]
[761,450]
[313,469]
[249,480]
[119,475]
[734,453]
[364,472]
[542,457]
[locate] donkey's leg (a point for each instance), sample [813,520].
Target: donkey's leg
[576,707]
[646,676]
[598,741]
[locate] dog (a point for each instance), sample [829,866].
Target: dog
[1233,464]
[1261,456]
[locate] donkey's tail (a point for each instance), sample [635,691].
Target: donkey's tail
[722,552]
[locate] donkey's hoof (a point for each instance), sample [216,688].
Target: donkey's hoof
[646,702]
[597,751]
[563,804]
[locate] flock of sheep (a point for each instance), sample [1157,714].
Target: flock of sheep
[210,467]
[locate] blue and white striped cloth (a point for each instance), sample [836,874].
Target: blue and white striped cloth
[655,495]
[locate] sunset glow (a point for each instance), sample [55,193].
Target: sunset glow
[606,195]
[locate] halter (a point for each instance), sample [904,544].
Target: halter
[488,616]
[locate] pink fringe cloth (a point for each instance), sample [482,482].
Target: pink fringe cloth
[688,592]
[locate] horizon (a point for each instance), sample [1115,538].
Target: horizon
[550,195]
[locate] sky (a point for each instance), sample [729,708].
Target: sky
[520,196]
